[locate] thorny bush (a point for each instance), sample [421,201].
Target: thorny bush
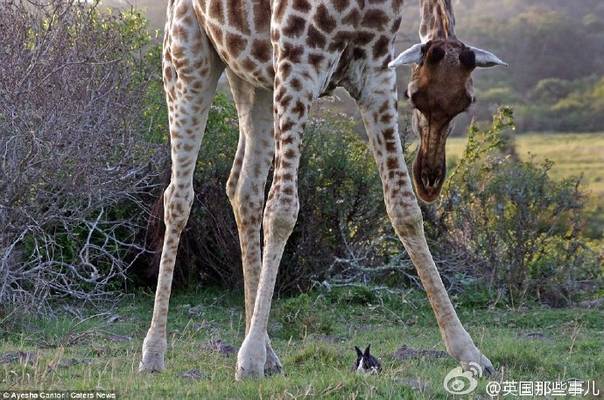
[76,164]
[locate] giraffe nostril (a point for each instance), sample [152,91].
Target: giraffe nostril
[431,179]
[425,180]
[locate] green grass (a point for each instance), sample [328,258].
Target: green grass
[314,335]
[573,154]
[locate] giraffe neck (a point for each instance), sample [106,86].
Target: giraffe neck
[438,20]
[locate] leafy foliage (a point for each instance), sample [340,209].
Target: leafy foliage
[340,196]
[523,226]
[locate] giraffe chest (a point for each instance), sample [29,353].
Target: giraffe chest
[352,35]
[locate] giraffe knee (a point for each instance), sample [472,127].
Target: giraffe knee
[408,222]
[231,188]
[279,221]
[247,205]
[178,199]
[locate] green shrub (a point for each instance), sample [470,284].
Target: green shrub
[521,226]
[341,205]
[504,230]
[355,295]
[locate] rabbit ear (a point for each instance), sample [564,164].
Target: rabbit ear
[367,351]
[359,352]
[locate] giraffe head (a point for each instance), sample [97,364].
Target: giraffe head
[440,88]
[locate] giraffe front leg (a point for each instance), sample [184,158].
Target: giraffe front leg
[190,70]
[379,111]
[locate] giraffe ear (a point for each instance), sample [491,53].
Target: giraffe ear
[486,59]
[412,55]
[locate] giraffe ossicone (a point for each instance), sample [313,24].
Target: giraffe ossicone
[280,56]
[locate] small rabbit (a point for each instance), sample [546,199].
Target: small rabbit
[366,363]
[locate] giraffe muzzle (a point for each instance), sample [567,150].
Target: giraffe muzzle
[429,173]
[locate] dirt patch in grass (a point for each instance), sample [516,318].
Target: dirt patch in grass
[219,346]
[119,338]
[21,357]
[533,335]
[408,353]
[193,374]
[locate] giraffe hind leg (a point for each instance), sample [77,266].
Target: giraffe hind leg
[191,70]
[245,189]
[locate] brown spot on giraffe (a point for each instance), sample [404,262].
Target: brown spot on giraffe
[248,64]
[301,5]
[289,153]
[261,50]
[315,60]
[236,16]
[352,18]
[235,44]
[168,73]
[216,33]
[181,11]
[381,47]
[262,15]
[216,11]
[341,40]
[294,27]
[292,52]
[386,119]
[284,102]
[364,37]
[396,25]
[299,108]
[314,38]
[324,20]
[296,84]
[375,19]
[180,32]
[285,69]
[341,5]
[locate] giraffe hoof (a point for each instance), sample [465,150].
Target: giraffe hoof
[273,365]
[249,372]
[481,367]
[251,360]
[152,362]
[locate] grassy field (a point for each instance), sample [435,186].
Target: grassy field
[573,154]
[314,335]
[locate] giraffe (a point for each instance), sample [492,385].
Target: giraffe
[280,56]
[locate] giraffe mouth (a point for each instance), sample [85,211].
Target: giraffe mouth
[429,172]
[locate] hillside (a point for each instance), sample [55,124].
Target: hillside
[538,38]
